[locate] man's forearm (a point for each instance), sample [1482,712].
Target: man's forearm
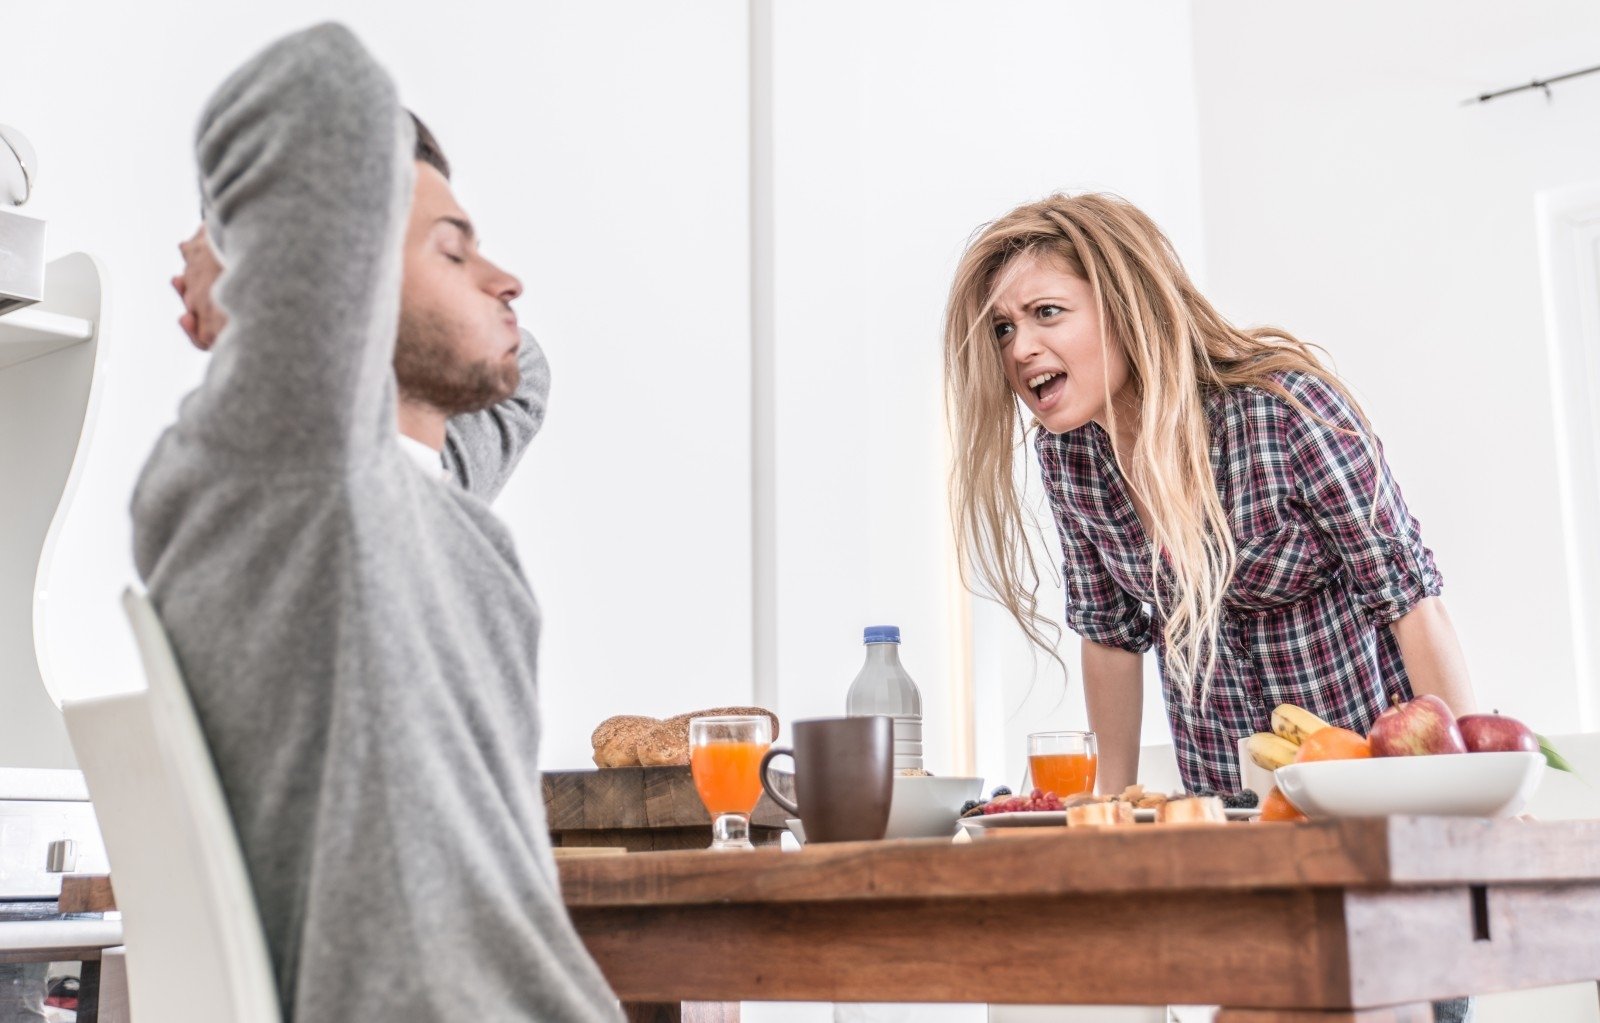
[306,187]
[482,448]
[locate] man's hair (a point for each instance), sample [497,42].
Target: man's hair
[428,150]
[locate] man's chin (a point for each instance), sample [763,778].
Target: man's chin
[512,379]
[504,385]
[458,393]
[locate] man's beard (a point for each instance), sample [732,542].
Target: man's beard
[428,371]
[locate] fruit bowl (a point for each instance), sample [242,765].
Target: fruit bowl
[1446,785]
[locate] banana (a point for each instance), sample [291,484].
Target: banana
[1295,723]
[1270,751]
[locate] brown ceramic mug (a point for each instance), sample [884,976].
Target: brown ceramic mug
[843,777]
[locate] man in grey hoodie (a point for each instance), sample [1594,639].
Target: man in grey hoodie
[481,445]
[356,633]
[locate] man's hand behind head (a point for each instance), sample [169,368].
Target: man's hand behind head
[202,318]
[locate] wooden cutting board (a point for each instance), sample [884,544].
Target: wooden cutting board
[580,852]
[644,809]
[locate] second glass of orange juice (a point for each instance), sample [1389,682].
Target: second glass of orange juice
[725,758]
[1063,762]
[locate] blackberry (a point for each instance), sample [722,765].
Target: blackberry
[1202,793]
[1248,800]
[1001,791]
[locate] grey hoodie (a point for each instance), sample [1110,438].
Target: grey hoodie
[358,637]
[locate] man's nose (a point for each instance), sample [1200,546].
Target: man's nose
[503,285]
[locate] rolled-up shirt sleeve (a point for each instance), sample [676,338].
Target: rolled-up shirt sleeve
[1098,608]
[1355,504]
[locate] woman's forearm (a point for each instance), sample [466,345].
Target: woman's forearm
[1432,655]
[1113,691]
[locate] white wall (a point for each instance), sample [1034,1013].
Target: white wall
[601,149]
[1350,197]
[605,155]
[900,128]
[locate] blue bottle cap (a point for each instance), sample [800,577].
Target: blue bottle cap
[881,634]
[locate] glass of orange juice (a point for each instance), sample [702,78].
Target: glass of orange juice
[725,757]
[1063,762]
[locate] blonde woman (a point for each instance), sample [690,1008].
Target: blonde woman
[1218,494]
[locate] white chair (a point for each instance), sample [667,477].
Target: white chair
[196,951]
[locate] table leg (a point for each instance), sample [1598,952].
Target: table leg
[89,991]
[681,1012]
[1420,1012]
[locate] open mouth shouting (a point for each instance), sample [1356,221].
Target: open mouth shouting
[1047,387]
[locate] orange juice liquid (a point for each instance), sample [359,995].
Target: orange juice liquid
[1065,774]
[727,775]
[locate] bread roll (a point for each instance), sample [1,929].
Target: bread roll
[1192,810]
[630,740]
[1104,814]
[682,720]
[616,740]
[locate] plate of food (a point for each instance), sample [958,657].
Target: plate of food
[1133,805]
[1016,819]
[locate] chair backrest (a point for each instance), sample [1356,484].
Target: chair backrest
[196,951]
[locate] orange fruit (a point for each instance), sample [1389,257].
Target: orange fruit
[1278,808]
[1333,744]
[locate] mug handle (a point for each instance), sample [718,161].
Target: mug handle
[777,797]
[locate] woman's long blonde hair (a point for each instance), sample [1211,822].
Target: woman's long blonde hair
[1178,350]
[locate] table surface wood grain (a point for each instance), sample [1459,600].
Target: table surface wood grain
[1348,919]
[1351,920]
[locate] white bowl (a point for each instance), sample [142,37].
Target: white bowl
[1447,785]
[925,807]
[921,808]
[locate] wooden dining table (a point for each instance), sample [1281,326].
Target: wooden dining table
[1333,921]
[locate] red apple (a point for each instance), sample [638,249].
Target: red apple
[1419,728]
[1495,733]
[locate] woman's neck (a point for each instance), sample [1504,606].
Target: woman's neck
[1124,435]
[1124,430]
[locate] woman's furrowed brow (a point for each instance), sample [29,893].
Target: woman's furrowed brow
[1000,313]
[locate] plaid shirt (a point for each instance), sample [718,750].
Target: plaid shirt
[1317,579]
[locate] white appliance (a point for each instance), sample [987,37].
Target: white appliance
[47,829]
